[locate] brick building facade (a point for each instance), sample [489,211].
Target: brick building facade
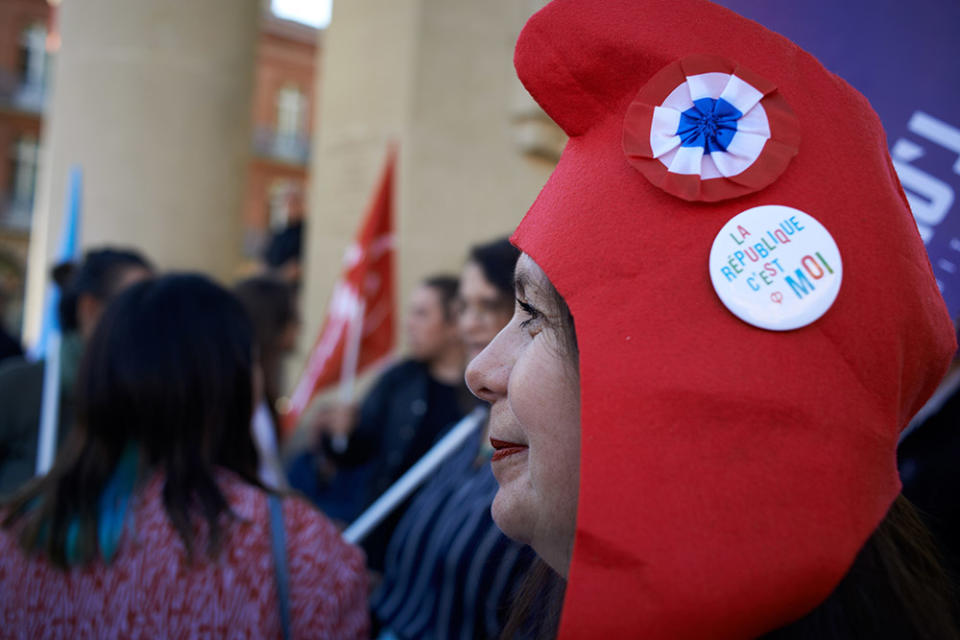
[26,41]
[282,123]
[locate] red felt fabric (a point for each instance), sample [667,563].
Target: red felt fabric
[729,475]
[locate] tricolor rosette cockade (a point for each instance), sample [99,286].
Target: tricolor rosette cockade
[705,128]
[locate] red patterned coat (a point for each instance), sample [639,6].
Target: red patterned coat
[150,590]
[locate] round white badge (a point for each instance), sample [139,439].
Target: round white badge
[775,267]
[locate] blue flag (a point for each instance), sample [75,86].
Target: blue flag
[68,251]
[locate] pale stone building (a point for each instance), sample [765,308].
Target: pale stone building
[153,100]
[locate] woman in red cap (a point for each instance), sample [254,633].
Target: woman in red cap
[711,453]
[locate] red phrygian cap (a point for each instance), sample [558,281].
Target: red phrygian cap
[729,474]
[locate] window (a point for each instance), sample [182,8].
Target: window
[33,68]
[26,159]
[24,155]
[33,55]
[291,112]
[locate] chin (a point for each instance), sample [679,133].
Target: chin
[518,524]
[509,519]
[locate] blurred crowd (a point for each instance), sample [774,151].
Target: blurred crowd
[171,460]
[169,442]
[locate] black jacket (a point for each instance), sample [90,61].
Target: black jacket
[391,433]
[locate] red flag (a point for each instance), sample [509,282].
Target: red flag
[358,329]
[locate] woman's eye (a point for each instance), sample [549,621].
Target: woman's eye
[531,311]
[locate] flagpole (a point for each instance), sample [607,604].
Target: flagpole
[49,406]
[348,369]
[415,476]
[351,352]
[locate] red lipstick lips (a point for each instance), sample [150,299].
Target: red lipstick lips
[502,449]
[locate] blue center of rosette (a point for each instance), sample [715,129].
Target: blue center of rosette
[710,123]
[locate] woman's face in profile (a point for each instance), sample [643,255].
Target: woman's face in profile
[530,379]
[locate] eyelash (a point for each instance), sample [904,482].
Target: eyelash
[530,311]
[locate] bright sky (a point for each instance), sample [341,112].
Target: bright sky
[315,13]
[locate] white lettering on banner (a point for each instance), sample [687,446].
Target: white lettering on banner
[936,131]
[930,198]
[345,301]
[376,248]
[315,365]
[380,245]
[352,256]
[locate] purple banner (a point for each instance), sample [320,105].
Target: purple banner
[905,57]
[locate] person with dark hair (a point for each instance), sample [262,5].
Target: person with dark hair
[486,293]
[90,287]
[696,405]
[271,304]
[409,405]
[449,572]
[10,347]
[152,521]
[86,289]
[282,255]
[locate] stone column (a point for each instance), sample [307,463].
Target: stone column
[151,98]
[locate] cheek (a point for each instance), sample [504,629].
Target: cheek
[545,396]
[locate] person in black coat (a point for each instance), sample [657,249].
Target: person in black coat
[408,407]
[86,291]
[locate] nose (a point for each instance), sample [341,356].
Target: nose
[488,373]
